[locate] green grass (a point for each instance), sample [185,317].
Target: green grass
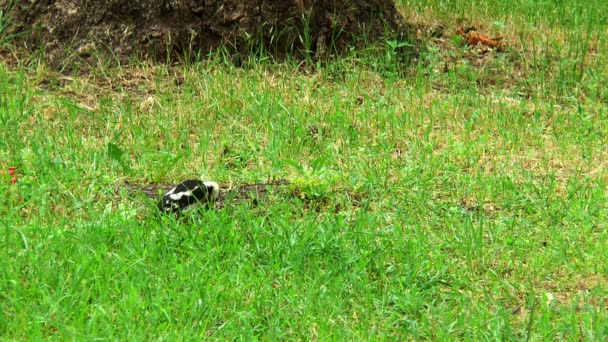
[452,200]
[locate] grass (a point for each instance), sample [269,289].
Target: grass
[463,198]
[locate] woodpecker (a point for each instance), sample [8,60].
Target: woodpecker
[189,194]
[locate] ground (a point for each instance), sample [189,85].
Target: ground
[117,31]
[460,197]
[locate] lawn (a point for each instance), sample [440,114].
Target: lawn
[462,197]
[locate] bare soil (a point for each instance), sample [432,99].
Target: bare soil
[229,196]
[68,30]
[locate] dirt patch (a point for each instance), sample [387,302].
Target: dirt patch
[69,30]
[229,196]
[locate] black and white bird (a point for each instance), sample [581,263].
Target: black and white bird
[189,194]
